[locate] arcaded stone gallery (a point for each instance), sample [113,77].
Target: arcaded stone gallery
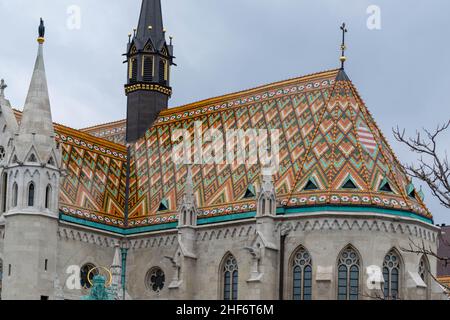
[109,202]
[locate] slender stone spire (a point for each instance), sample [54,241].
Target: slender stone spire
[37,117]
[5,108]
[267,197]
[116,270]
[188,206]
[36,129]
[342,76]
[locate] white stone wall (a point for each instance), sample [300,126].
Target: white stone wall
[324,235]
[78,246]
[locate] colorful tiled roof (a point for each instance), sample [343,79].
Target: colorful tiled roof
[94,186]
[94,183]
[113,131]
[332,153]
[327,136]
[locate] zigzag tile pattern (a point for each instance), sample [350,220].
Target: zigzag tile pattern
[93,186]
[326,134]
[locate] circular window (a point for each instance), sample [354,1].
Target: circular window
[84,274]
[2,153]
[155,279]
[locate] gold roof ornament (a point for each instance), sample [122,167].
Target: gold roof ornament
[41,30]
[343,58]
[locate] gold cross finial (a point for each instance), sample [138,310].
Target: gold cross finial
[343,47]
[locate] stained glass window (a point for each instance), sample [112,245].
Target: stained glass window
[423,269]
[156,279]
[48,196]
[302,275]
[230,279]
[31,195]
[391,275]
[348,275]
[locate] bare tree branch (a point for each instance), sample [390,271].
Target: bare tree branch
[421,249]
[432,168]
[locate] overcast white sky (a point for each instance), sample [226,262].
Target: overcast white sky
[402,71]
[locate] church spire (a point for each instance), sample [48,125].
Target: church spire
[342,76]
[36,137]
[150,22]
[188,205]
[37,117]
[149,59]
[343,46]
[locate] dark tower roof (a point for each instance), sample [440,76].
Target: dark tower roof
[150,24]
[149,59]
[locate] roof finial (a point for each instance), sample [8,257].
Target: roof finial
[3,86]
[343,47]
[41,30]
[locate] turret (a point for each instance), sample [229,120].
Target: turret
[149,59]
[31,217]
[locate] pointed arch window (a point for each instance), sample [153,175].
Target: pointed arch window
[15,194]
[133,70]
[302,275]
[31,192]
[230,275]
[424,268]
[48,196]
[148,68]
[391,275]
[2,153]
[4,192]
[163,71]
[348,274]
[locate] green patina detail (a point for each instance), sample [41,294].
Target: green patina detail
[91,224]
[232,217]
[282,211]
[167,226]
[247,215]
[99,291]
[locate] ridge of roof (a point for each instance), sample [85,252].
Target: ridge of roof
[204,102]
[196,104]
[98,126]
[81,134]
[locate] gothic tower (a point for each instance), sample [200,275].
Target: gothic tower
[31,219]
[149,59]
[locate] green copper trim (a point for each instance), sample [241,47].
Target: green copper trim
[232,217]
[247,215]
[91,224]
[167,226]
[283,211]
